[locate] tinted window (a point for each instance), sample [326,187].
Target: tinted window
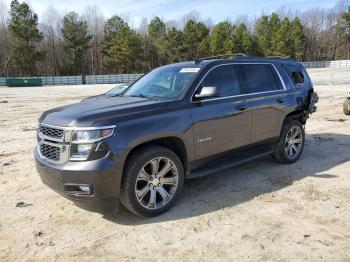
[163,83]
[258,78]
[224,78]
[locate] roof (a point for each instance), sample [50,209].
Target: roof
[239,59]
[250,59]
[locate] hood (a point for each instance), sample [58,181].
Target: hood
[93,97]
[101,110]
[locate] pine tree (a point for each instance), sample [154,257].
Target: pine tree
[110,29]
[26,37]
[126,49]
[222,39]
[284,39]
[345,27]
[297,39]
[245,42]
[264,35]
[156,32]
[274,27]
[174,45]
[346,21]
[194,33]
[156,29]
[203,49]
[76,42]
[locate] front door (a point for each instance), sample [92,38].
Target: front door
[221,123]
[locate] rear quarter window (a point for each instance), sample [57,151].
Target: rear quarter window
[296,74]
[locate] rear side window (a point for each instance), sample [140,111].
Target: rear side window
[296,74]
[256,78]
[224,78]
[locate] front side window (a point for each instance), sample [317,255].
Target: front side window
[257,78]
[224,78]
[163,83]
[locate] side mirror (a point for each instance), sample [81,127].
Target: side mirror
[207,92]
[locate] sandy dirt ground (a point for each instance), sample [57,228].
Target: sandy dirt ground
[259,211]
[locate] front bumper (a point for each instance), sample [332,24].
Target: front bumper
[102,176]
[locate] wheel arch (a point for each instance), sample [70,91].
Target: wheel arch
[173,143]
[298,115]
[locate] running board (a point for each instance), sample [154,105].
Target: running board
[230,161]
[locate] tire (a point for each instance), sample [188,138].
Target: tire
[287,144]
[149,190]
[346,107]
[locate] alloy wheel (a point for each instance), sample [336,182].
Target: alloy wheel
[293,142]
[156,183]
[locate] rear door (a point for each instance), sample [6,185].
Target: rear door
[266,94]
[222,123]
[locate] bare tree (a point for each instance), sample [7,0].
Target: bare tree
[323,40]
[5,47]
[51,27]
[95,20]
[193,15]
[3,13]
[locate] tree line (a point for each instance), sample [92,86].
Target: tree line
[90,44]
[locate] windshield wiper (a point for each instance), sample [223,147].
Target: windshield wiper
[115,95]
[142,96]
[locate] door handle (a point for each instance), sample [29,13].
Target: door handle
[241,107]
[280,100]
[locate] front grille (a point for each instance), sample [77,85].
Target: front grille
[50,152]
[51,131]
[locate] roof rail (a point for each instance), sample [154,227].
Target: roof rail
[197,61]
[277,56]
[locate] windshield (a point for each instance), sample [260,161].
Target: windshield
[163,83]
[118,89]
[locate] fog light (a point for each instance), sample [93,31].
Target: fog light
[83,149]
[80,151]
[78,190]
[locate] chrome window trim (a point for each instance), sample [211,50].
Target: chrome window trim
[226,97]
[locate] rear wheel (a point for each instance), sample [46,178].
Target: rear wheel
[346,106]
[152,181]
[291,143]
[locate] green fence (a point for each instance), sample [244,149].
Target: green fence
[23,82]
[69,80]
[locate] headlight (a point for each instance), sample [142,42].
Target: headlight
[89,136]
[84,140]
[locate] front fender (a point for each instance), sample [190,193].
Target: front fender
[135,132]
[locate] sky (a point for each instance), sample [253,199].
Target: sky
[218,10]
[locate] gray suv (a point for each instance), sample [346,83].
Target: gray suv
[177,122]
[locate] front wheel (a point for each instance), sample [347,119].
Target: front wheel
[152,181]
[291,143]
